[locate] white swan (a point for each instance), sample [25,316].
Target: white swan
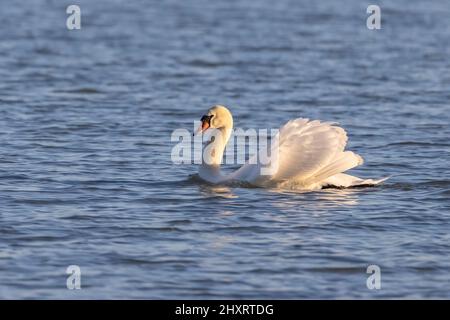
[310,155]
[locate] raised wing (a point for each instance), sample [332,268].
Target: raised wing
[306,152]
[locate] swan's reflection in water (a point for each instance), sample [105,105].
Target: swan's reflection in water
[285,200]
[221,242]
[218,191]
[246,217]
[316,200]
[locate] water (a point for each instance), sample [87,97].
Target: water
[86,177]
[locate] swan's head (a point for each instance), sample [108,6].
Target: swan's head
[218,117]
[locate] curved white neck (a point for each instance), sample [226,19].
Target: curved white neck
[212,154]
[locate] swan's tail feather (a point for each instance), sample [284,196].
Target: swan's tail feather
[342,180]
[369,182]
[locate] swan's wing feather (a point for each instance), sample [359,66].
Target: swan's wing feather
[305,147]
[304,151]
[343,162]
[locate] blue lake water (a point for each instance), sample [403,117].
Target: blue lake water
[86,176]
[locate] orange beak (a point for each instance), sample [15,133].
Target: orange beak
[206,123]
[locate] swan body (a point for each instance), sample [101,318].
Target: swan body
[306,155]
